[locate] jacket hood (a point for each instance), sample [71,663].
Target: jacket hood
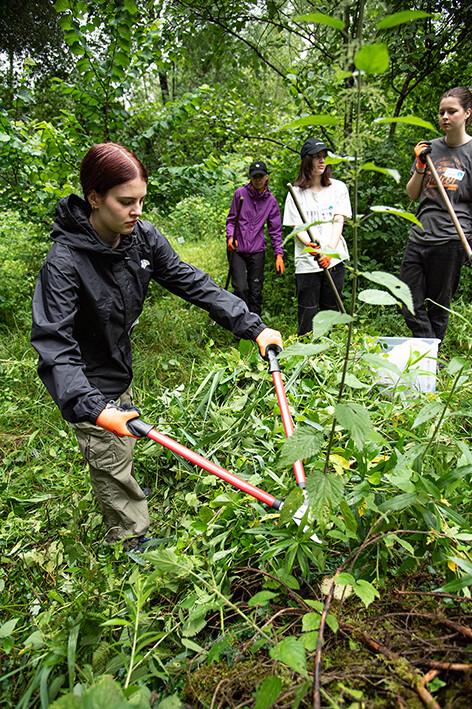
[72,228]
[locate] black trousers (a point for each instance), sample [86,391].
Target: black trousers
[431,272]
[314,293]
[247,277]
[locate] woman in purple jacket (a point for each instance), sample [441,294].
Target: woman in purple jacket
[246,248]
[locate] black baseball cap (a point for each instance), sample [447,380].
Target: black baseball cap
[258,168]
[312,146]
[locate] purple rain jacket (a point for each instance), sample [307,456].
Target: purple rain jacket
[257,209]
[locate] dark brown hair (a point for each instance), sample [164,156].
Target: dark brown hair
[107,165]
[463,95]
[305,174]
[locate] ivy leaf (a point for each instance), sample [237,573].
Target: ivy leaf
[268,692]
[291,652]
[319,18]
[372,167]
[377,297]
[324,492]
[303,443]
[356,419]
[407,120]
[326,319]
[372,58]
[400,18]
[399,289]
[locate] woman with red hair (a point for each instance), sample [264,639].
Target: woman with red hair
[88,297]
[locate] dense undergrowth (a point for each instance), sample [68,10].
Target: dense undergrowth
[228,611]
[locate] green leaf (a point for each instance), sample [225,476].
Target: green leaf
[301,350]
[363,589]
[453,475]
[292,502]
[372,58]
[399,502]
[4,137]
[172,702]
[131,7]
[382,209]
[399,289]
[372,167]
[400,18]
[62,5]
[431,410]
[262,598]
[356,419]
[303,443]
[456,584]
[319,119]
[268,692]
[292,653]
[348,516]
[321,19]
[377,297]
[192,646]
[7,628]
[311,621]
[326,319]
[324,491]
[407,120]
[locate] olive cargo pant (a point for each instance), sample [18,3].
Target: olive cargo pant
[122,502]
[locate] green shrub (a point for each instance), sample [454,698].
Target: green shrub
[197,218]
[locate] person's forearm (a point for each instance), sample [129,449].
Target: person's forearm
[336,231]
[413,188]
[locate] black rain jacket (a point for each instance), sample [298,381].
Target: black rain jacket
[88,296]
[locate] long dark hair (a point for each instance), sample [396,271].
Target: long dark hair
[463,95]
[305,174]
[107,165]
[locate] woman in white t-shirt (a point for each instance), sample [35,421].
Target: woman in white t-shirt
[326,201]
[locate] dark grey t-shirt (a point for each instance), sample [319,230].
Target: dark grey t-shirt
[454,166]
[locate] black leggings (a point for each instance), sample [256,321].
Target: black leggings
[247,277]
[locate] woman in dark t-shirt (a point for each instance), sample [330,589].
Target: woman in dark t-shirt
[434,255]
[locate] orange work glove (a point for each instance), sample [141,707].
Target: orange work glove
[313,245]
[324,261]
[232,244]
[279,264]
[114,419]
[421,151]
[268,337]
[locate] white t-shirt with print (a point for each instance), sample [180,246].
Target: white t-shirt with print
[318,207]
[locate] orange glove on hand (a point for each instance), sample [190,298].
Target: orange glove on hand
[114,419]
[268,337]
[279,264]
[313,245]
[324,261]
[232,244]
[421,151]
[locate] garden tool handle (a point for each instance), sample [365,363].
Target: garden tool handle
[271,356]
[449,207]
[312,238]
[138,427]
